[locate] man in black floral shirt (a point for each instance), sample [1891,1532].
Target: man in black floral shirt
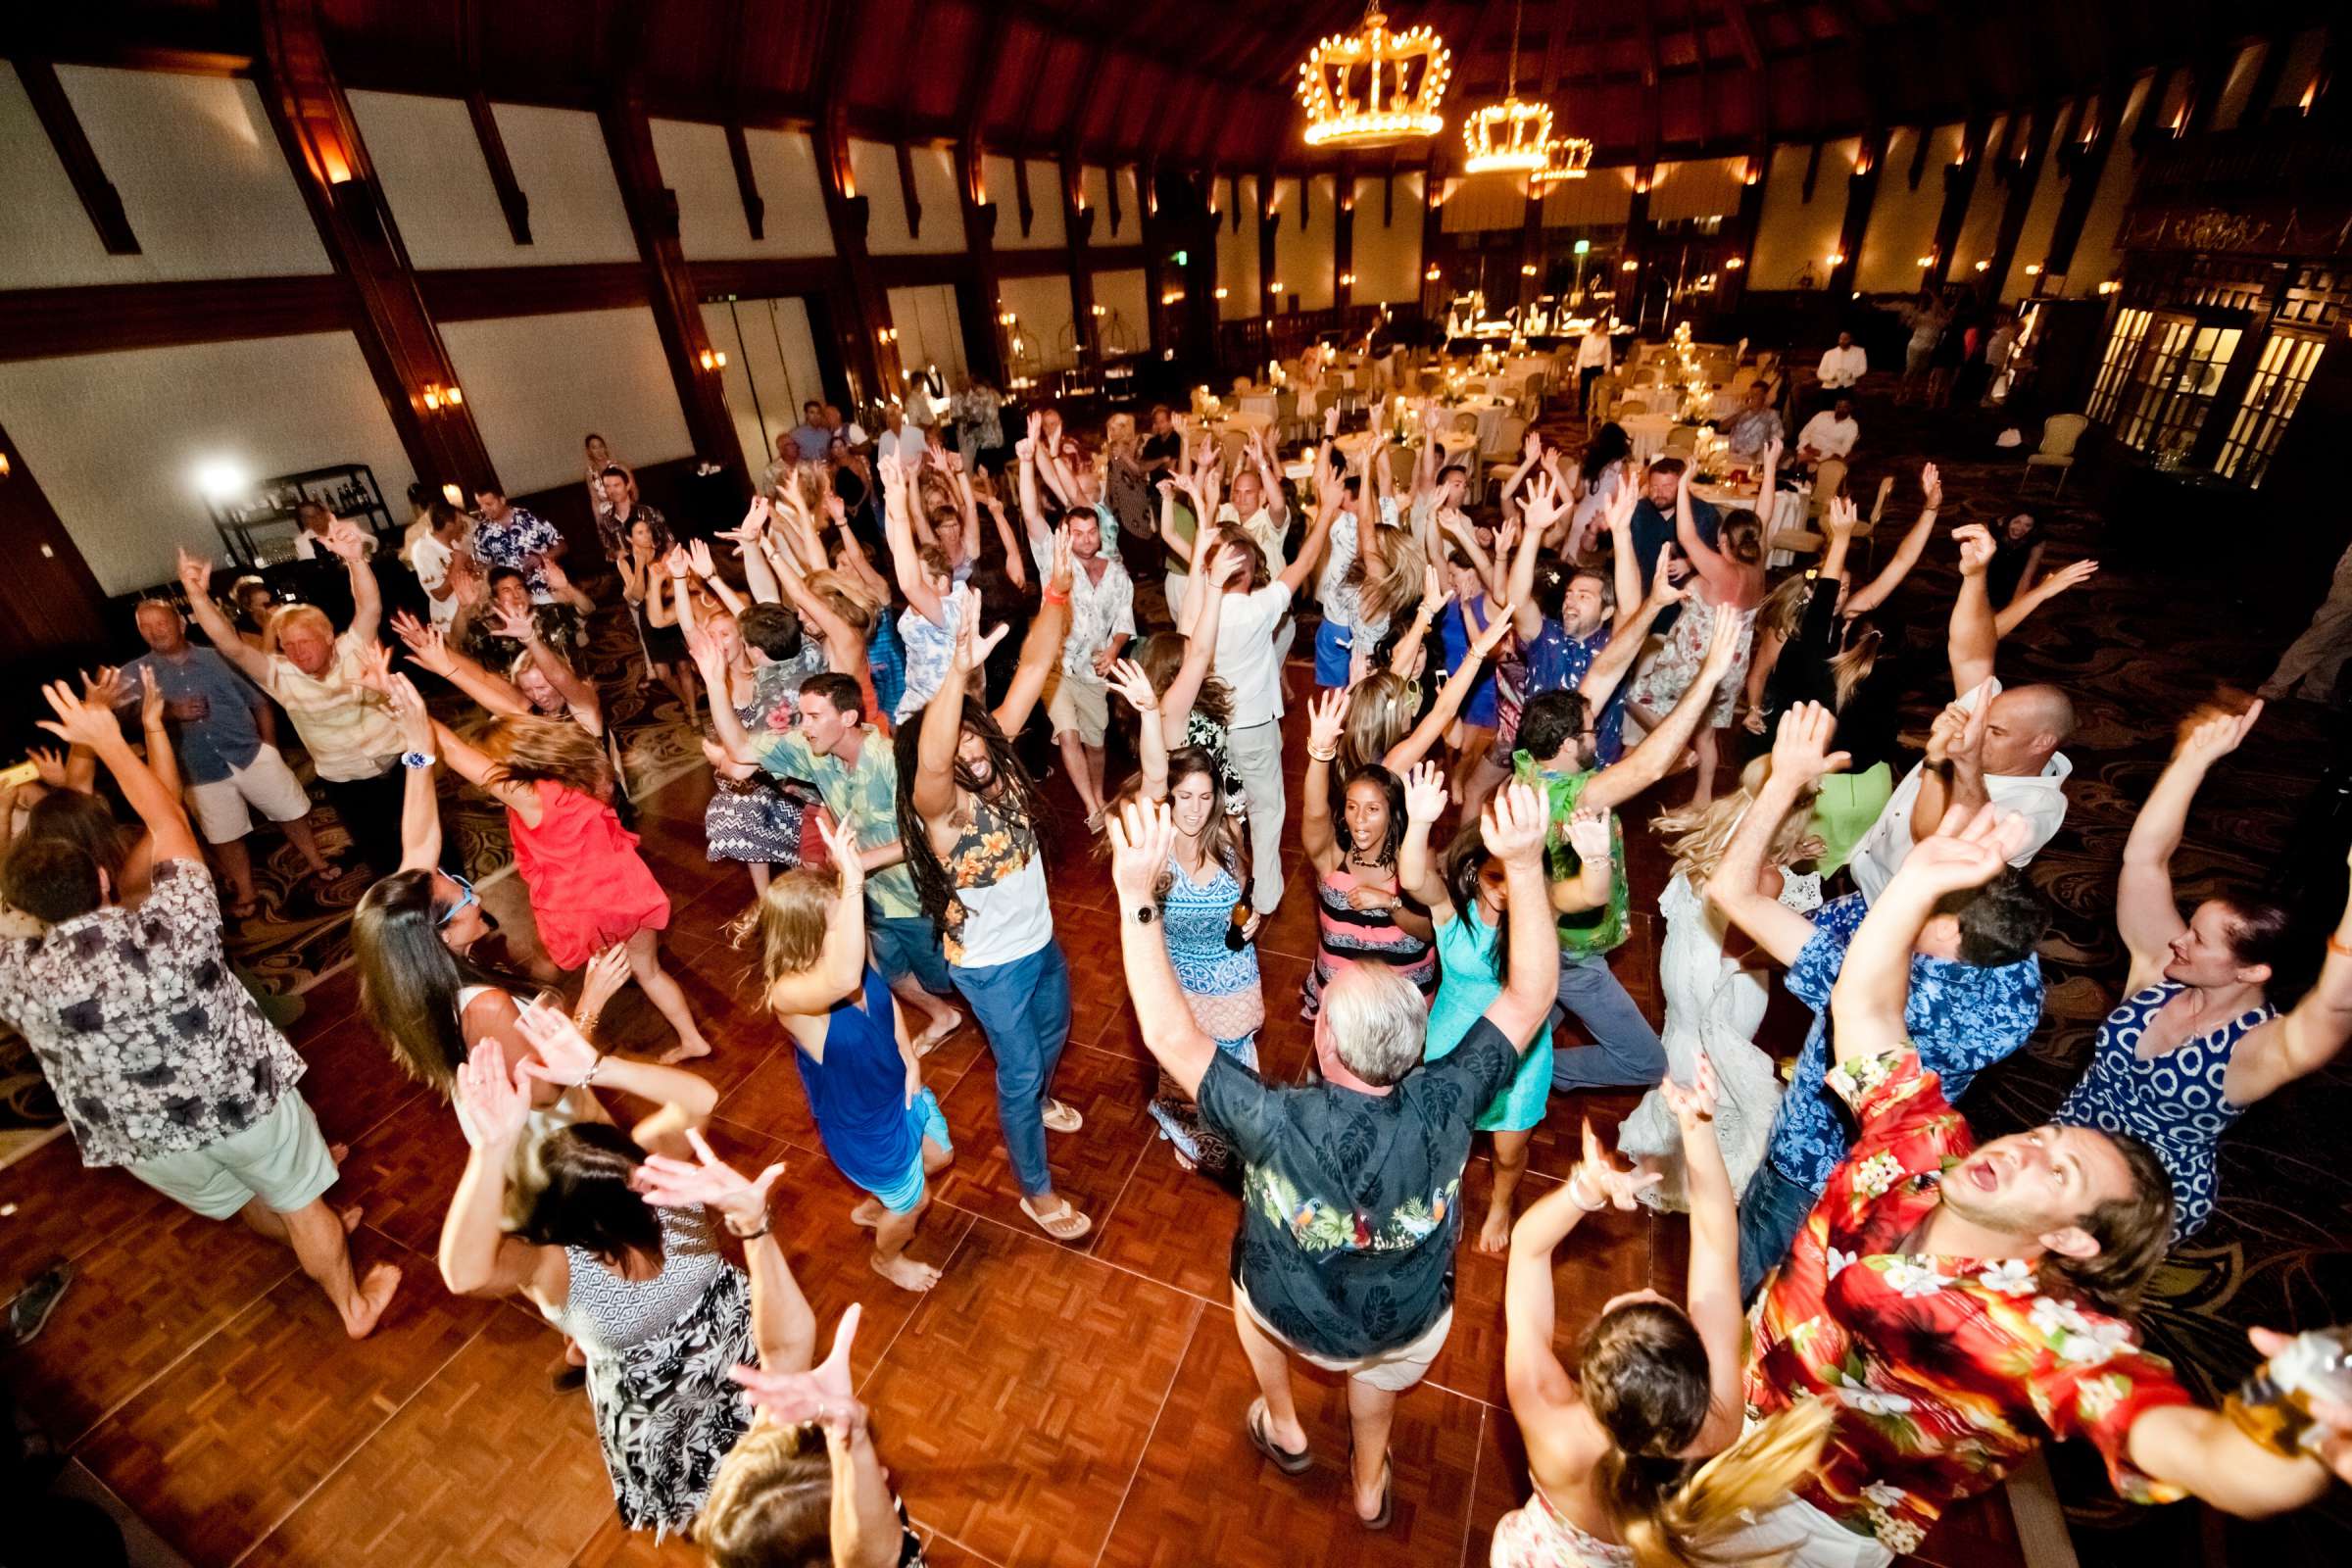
[156,1052]
[1350,1186]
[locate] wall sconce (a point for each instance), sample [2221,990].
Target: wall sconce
[2033,268]
[1100,309]
[1222,291]
[1004,320]
[2109,286]
[1751,173]
[436,396]
[3,464]
[453,494]
[1837,258]
[1926,260]
[1527,270]
[712,360]
[1631,266]
[1432,275]
[1346,280]
[1983,267]
[889,334]
[1733,263]
[1275,287]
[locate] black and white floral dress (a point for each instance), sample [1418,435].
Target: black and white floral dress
[659,1354]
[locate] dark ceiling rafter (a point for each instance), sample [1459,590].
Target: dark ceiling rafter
[1744,33]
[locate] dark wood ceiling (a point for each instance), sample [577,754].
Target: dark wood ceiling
[1209,82]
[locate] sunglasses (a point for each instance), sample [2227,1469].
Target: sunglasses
[466,895]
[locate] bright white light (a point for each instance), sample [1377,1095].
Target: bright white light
[220,478]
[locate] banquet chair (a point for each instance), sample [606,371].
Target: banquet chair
[1829,481]
[1241,384]
[1681,442]
[1288,424]
[2059,435]
[1466,421]
[1501,460]
[1601,407]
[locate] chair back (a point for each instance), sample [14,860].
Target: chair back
[1829,480]
[1878,507]
[1466,421]
[1681,441]
[1510,431]
[1241,384]
[2060,432]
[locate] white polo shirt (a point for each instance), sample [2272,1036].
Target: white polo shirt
[2040,799]
[1245,659]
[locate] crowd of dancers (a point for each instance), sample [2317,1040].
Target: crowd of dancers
[1881,1315]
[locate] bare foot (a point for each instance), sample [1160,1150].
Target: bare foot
[684,1051]
[931,1038]
[1494,1236]
[868,1214]
[1184,1161]
[338,1153]
[904,1272]
[352,1216]
[375,1293]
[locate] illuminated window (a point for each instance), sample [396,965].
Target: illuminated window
[2171,389]
[2287,360]
[2122,349]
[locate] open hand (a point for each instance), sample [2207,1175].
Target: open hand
[1513,823]
[1589,834]
[1965,851]
[494,1104]
[1143,835]
[849,863]
[1490,635]
[971,648]
[1801,751]
[1596,1177]
[2073,576]
[1844,517]
[561,1055]
[78,724]
[1127,678]
[1326,721]
[50,764]
[409,713]
[1931,484]
[602,979]
[104,689]
[2216,737]
[710,1181]
[822,1393]
[1425,796]
[699,555]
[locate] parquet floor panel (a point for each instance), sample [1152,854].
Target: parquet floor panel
[1090,1166]
[52,1206]
[240,1431]
[1023,1391]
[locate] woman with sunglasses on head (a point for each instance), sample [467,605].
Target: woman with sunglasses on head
[1617,1454]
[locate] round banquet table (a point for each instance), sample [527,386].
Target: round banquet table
[1647,432]
[1456,445]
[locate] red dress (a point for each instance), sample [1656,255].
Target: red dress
[589,886]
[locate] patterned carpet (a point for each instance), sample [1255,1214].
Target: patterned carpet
[2136,650]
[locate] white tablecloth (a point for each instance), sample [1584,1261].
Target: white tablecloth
[1647,432]
[1787,513]
[1489,411]
[1456,445]
[1257,403]
[1243,418]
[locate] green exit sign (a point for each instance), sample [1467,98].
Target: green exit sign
[1584,247]
[1181,258]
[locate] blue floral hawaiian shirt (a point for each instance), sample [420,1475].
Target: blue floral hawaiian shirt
[1962,1019]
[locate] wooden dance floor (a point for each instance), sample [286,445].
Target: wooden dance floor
[1045,1405]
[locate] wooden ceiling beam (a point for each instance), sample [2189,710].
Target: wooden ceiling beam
[1744,33]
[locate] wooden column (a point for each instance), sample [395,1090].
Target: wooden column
[1267,305]
[1433,239]
[99,198]
[2083,163]
[52,610]
[1861,194]
[980,305]
[1639,231]
[859,305]
[1732,282]
[1959,189]
[653,210]
[1078,227]
[1157,250]
[396,334]
[1530,249]
[2024,175]
[1343,237]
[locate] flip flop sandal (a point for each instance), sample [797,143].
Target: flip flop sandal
[1388,1490]
[1062,1118]
[1287,1462]
[1067,1225]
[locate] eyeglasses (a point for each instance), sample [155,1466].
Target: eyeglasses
[466,895]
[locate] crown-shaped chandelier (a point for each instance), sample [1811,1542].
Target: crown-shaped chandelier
[1513,136]
[1571,158]
[1372,87]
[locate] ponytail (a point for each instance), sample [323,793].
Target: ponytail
[1851,666]
[1672,1522]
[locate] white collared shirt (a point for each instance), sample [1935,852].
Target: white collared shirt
[2039,798]
[1842,368]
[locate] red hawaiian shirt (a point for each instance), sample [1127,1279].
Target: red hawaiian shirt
[1948,1370]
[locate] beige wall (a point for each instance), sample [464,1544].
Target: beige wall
[1387,254]
[1484,202]
[1127,328]
[2042,217]
[875,167]
[1982,226]
[1046,229]
[1043,304]
[1793,233]
[930,328]
[537,384]
[771,371]
[2095,257]
[119,439]
[1604,196]
[204,184]
[1237,248]
[1303,257]
[1903,220]
[712,224]
[1704,187]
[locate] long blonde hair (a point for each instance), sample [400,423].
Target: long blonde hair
[524,751]
[1380,712]
[1680,1527]
[795,913]
[845,597]
[1701,836]
[1386,571]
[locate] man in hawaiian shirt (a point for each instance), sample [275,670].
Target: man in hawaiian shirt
[1982,1292]
[158,1056]
[1975,993]
[507,535]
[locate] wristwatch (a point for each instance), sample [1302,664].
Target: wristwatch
[418,759]
[1146,915]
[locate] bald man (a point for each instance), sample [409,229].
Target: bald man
[1990,744]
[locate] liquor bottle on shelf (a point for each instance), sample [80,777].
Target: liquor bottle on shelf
[2273,1407]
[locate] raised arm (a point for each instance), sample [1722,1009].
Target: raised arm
[1713,568]
[1203,608]
[1127,678]
[1041,649]
[1544,504]
[2309,1036]
[429,647]
[85,724]
[1906,555]
[2146,917]
[1451,696]
[196,580]
[467,762]
[346,540]
[1293,572]
[2029,600]
[1662,747]
[1800,754]
[421,796]
[1143,835]
[1711,1295]
[840,967]
[1417,875]
[1406,658]
[1974,636]
[154,732]
[477,1256]
[905,562]
[1514,824]
[1326,719]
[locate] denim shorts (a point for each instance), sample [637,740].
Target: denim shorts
[907,944]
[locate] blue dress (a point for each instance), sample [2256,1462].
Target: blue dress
[2173,1102]
[1220,983]
[857,1092]
[1466,949]
[1454,633]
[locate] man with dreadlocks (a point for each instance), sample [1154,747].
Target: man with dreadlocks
[968,814]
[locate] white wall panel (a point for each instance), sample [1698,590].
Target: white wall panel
[1304,256]
[876,168]
[785,160]
[1602,198]
[117,439]
[1793,233]
[1237,248]
[1485,202]
[930,328]
[2096,259]
[1388,251]
[1046,229]
[204,183]
[1042,308]
[1704,187]
[1902,220]
[695,164]
[2042,221]
[537,384]
[560,162]
[772,368]
[1982,221]
[1127,325]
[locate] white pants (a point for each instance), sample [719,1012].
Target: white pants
[1257,754]
[220,806]
[1799,1534]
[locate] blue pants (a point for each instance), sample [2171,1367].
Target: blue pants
[1772,1211]
[1024,1009]
[1626,1053]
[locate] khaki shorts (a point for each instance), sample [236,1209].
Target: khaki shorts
[1080,703]
[266,782]
[1393,1370]
[282,1159]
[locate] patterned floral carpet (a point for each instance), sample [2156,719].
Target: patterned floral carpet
[2136,650]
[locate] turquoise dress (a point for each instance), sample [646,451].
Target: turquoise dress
[1466,952]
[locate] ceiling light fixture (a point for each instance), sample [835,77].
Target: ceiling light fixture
[1373,87]
[1513,136]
